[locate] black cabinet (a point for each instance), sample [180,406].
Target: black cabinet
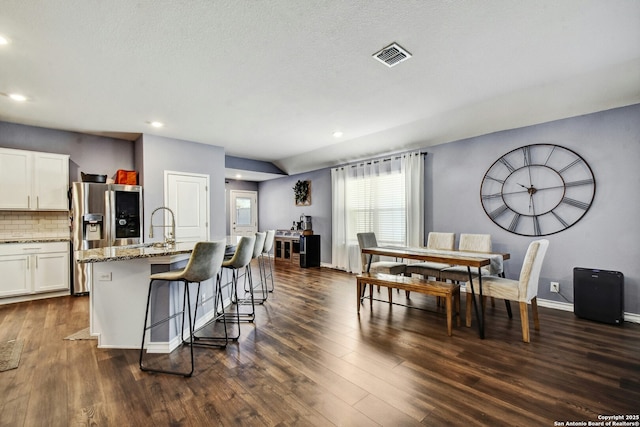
[310,251]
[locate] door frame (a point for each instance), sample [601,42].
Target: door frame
[207,178]
[235,193]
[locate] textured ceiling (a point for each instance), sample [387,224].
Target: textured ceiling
[272,80]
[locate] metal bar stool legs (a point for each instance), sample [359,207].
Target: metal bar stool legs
[238,316]
[205,263]
[268,276]
[252,287]
[241,260]
[211,340]
[186,306]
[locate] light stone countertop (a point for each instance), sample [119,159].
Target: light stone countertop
[34,240]
[122,253]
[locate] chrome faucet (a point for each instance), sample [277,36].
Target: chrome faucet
[171,238]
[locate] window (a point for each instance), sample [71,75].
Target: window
[377,203]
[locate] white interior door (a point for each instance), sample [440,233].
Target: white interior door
[244,213]
[187,195]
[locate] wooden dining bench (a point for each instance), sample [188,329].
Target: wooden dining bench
[449,291]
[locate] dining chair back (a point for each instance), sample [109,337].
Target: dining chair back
[524,290]
[368,240]
[468,243]
[436,241]
[441,241]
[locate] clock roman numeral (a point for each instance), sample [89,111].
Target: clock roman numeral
[536,226]
[577,183]
[514,222]
[549,156]
[526,152]
[507,164]
[491,196]
[559,218]
[497,212]
[575,162]
[576,203]
[495,179]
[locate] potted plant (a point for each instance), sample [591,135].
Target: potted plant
[301,192]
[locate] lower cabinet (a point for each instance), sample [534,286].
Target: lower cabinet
[31,268]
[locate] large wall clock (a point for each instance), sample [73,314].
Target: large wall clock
[538,189]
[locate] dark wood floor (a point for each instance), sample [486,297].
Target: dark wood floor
[310,360]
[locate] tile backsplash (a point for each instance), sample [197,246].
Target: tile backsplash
[34,224]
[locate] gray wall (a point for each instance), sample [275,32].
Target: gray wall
[88,153]
[277,209]
[160,154]
[605,238]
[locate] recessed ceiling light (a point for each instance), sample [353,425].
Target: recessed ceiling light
[157,124]
[17,97]
[4,40]
[337,134]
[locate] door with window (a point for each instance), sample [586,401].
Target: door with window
[244,213]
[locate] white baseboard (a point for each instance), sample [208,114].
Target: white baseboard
[567,306]
[558,305]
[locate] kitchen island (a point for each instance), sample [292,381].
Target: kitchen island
[119,280]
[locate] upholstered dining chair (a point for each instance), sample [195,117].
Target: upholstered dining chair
[469,243]
[524,290]
[368,240]
[437,241]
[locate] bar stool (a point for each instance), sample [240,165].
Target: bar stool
[266,259]
[241,259]
[249,285]
[205,262]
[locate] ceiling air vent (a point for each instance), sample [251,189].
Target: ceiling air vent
[392,55]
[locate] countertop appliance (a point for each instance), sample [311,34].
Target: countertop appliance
[305,222]
[103,215]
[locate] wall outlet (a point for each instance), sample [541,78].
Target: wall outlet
[104,277]
[555,287]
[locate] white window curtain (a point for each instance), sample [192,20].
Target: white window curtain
[385,196]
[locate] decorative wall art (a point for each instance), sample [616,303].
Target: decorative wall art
[302,193]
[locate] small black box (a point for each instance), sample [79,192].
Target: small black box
[598,295]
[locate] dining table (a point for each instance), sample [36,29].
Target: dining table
[472,260]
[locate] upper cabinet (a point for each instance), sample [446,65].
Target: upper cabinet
[33,181]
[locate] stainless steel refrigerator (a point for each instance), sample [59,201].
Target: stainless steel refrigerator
[103,215]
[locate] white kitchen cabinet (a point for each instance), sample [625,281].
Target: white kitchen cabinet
[32,268]
[32,180]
